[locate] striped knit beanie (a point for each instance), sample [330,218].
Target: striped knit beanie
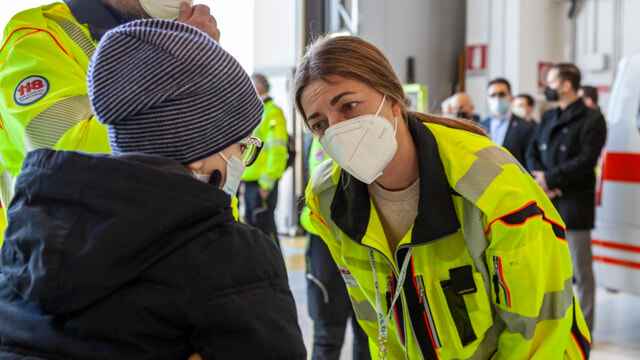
[166,88]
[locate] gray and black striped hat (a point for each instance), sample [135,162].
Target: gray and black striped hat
[166,88]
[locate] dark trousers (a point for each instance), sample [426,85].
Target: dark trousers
[329,306]
[259,212]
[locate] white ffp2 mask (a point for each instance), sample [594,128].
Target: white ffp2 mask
[362,146]
[235,168]
[163,9]
[201,177]
[519,111]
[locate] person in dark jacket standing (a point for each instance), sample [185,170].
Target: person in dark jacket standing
[562,159]
[136,255]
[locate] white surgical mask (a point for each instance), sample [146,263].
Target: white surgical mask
[498,106]
[163,9]
[235,168]
[519,111]
[362,146]
[201,177]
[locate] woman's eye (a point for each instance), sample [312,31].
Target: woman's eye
[317,126]
[350,106]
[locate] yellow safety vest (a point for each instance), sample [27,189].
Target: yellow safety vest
[272,160]
[44,103]
[489,273]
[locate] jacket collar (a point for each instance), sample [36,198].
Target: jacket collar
[351,207]
[98,17]
[573,111]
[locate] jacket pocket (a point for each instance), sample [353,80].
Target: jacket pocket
[520,279]
[460,319]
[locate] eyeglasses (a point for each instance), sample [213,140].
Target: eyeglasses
[251,147]
[500,94]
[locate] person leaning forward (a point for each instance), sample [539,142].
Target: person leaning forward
[45,54]
[136,255]
[449,248]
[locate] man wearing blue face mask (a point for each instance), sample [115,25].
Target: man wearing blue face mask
[505,128]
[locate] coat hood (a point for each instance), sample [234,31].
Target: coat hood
[82,226]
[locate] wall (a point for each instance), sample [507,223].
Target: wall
[606,31]
[430,31]
[519,34]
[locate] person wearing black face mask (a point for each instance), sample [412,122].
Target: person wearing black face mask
[562,158]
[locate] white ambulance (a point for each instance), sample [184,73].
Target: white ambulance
[616,238]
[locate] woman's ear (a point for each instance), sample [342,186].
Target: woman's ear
[396,107]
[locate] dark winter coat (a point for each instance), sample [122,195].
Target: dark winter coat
[517,138]
[129,257]
[566,146]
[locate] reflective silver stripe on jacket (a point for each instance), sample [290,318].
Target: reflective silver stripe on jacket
[549,310]
[363,310]
[75,33]
[272,143]
[49,126]
[483,171]
[6,189]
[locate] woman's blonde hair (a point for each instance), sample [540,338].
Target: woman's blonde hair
[352,58]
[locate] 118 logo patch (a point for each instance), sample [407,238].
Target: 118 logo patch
[31,90]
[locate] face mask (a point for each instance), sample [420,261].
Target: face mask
[201,177]
[462,115]
[551,94]
[362,146]
[519,111]
[498,106]
[163,9]
[235,168]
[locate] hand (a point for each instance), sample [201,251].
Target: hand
[539,177]
[264,193]
[554,193]
[200,17]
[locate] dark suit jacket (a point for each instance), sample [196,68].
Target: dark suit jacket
[518,137]
[566,146]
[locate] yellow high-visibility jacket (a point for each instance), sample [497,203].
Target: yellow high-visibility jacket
[44,104]
[272,160]
[316,157]
[490,275]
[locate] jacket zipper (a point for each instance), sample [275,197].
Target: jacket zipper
[427,311]
[393,272]
[409,319]
[498,283]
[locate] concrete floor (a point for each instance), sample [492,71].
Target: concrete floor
[617,333]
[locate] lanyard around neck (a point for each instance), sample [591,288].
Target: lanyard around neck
[383,320]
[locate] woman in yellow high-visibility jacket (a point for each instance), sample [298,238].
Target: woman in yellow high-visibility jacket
[448,247]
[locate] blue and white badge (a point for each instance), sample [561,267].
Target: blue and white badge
[30,90]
